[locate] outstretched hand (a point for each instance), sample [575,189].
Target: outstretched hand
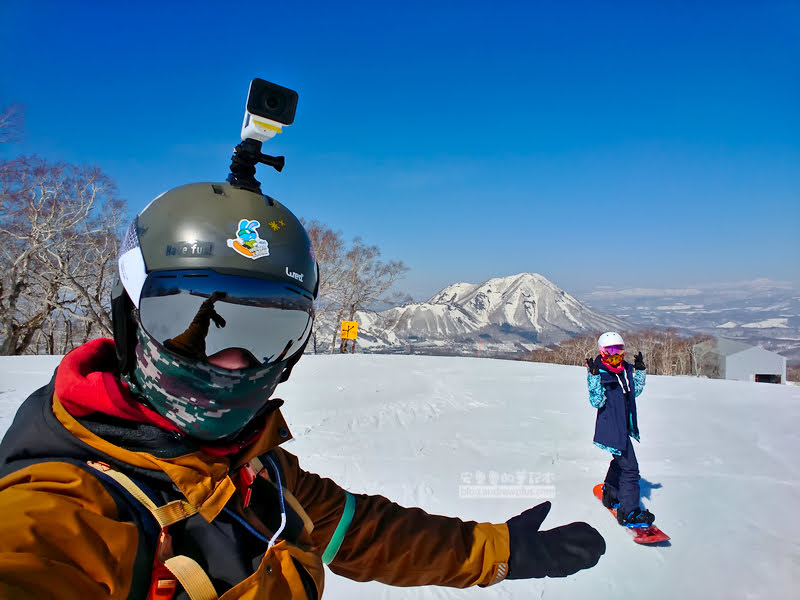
[553,553]
[591,365]
[638,362]
[218,319]
[208,306]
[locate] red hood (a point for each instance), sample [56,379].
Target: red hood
[87,382]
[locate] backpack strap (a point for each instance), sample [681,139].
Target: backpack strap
[166,515]
[185,570]
[192,577]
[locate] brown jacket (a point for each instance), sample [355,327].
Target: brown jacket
[64,532]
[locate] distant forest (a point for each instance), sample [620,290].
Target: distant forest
[665,351]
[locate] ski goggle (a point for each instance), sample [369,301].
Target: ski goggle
[197,313]
[613,355]
[612,350]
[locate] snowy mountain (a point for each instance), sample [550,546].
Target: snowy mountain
[760,312]
[502,315]
[717,459]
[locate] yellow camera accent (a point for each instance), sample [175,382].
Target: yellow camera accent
[269,126]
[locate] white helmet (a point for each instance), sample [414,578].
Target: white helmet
[608,339]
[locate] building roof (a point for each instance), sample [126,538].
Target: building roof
[726,347]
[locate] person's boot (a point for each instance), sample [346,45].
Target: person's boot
[636,518]
[608,500]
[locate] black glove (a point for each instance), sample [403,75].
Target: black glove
[219,321]
[591,364]
[638,362]
[553,553]
[208,305]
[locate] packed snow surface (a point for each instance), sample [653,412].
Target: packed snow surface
[718,459]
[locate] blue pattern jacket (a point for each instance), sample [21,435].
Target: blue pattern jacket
[614,396]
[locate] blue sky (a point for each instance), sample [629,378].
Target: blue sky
[617,144]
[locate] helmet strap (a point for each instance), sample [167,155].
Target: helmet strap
[124,328]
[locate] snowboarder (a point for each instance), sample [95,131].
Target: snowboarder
[152,467]
[614,385]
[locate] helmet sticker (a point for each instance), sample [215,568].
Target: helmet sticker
[276,225]
[247,242]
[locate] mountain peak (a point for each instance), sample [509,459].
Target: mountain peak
[457,292]
[513,313]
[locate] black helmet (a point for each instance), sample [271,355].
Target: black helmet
[204,270]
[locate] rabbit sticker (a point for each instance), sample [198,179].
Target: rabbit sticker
[247,243]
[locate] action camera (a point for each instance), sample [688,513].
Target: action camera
[269,108]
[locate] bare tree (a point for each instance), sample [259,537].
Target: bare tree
[365,281]
[58,229]
[329,249]
[573,351]
[705,360]
[11,123]
[350,279]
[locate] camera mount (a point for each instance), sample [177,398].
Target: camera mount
[246,155]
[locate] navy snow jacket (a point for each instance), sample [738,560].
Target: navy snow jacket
[614,397]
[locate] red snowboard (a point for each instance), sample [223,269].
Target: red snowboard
[641,535]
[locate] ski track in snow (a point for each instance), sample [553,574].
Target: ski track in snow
[718,461]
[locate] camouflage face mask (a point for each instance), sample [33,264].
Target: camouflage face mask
[204,401]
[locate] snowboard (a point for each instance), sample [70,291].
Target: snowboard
[641,535]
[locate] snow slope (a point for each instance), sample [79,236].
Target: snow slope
[719,463]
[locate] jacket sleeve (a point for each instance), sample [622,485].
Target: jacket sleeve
[639,378]
[365,537]
[59,537]
[597,393]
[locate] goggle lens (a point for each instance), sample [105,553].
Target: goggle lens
[199,313]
